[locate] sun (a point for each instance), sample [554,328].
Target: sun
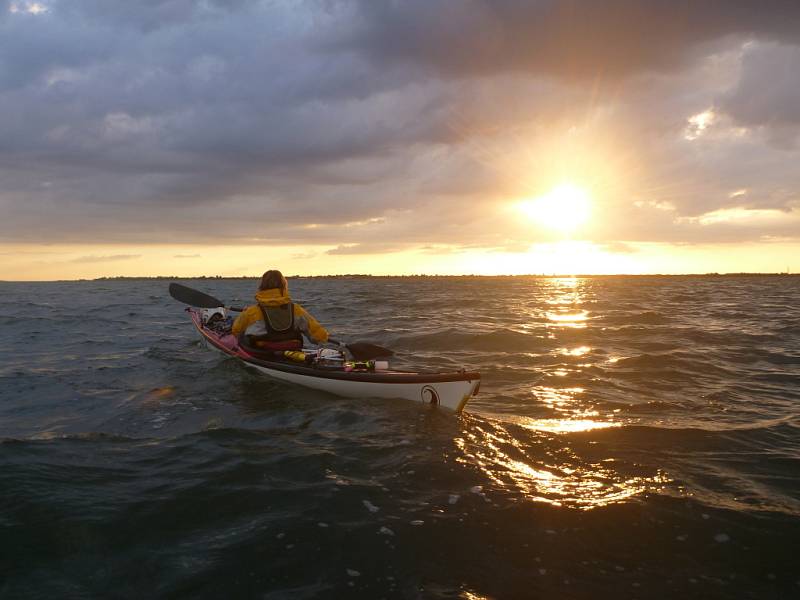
[564,208]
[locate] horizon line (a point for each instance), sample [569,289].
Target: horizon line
[415,275]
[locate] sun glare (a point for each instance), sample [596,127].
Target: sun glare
[565,208]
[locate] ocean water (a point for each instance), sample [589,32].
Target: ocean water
[634,437]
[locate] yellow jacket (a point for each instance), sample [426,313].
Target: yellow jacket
[302,320]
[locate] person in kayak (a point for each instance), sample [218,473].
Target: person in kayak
[275,322]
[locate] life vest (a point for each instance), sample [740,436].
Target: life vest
[281,331]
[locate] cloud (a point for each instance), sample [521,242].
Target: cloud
[372,248]
[103,259]
[373,127]
[767,94]
[186,256]
[571,39]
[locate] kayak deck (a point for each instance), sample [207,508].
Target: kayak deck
[451,390]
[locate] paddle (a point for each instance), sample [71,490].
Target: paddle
[187,295]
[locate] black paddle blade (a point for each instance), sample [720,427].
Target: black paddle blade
[367,351]
[187,295]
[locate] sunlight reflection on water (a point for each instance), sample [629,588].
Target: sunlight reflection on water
[566,296]
[579,351]
[571,319]
[546,469]
[533,455]
[564,425]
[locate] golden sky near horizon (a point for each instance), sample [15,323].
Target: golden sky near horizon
[596,138]
[60,262]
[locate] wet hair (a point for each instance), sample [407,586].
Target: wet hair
[272,280]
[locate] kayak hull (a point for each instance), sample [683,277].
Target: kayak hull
[449,390]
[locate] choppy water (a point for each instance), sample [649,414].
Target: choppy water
[633,438]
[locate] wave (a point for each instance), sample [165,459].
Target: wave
[677,365]
[503,340]
[641,318]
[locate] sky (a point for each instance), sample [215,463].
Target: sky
[171,137]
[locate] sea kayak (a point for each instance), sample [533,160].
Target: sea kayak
[353,380]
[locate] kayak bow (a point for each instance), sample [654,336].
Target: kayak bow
[451,390]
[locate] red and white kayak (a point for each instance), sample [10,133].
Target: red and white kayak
[451,390]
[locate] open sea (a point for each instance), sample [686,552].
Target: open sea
[634,437]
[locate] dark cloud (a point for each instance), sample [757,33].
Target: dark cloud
[147,15]
[768,93]
[564,39]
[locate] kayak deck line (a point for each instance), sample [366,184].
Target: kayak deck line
[450,389]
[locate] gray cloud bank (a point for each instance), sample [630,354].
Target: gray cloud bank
[375,126]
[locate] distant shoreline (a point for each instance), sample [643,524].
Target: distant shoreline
[420,276]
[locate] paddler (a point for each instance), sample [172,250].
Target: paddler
[275,322]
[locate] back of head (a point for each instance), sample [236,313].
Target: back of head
[273,280]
